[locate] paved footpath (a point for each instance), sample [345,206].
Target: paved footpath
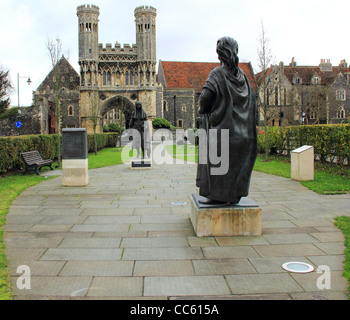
[122,238]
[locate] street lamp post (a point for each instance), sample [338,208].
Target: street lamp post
[19,116]
[28,81]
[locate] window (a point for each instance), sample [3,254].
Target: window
[341,95]
[276,96]
[313,115]
[267,96]
[180,123]
[70,111]
[104,78]
[108,78]
[129,78]
[165,106]
[297,80]
[341,113]
[316,80]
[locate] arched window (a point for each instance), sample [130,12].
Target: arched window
[108,78]
[165,106]
[127,78]
[104,78]
[276,96]
[341,113]
[267,96]
[131,78]
[70,111]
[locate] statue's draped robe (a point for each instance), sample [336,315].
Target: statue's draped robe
[228,102]
[139,122]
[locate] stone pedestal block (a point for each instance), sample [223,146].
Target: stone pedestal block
[243,219]
[75,173]
[302,163]
[141,164]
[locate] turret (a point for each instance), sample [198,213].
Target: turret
[88,32]
[145,20]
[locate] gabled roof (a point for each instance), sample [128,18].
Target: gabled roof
[306,74]
[66,71]
[185,75]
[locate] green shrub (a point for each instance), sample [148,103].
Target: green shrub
[159,123]
[329,141]
[9,114]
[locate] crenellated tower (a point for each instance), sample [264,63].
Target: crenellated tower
[117,75]
[145,21]
[88,44]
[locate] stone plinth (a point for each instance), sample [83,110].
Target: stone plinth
[75,173]
[75,157]
[141,164]
[302,163]
[243,219]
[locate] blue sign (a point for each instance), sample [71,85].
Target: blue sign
[18,124]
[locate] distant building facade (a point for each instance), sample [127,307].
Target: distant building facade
[297,95]
[182,84]
[113,77]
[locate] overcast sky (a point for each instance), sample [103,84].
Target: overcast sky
[187,30]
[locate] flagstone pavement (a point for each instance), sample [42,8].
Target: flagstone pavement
[125,237]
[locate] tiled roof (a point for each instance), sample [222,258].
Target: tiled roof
[185,75]
[306,73]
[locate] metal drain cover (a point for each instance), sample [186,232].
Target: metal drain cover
[179,203]
[298,267]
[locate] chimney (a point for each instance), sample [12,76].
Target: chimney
[293,63]
[343,64]
[325,66]
[281,67]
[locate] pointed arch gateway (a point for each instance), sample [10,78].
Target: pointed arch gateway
[120,106]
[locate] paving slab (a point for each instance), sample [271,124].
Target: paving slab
[122,237]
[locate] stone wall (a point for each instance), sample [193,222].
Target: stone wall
[184,102]
[30,118]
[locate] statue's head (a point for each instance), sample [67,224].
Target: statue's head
[138,105]
[227,50]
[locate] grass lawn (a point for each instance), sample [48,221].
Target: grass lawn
[343,223]
[109,157]
[183,152]
[11,187]
[329,179]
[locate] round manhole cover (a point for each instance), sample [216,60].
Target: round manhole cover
[298,267]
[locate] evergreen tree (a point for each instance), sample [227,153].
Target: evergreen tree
[5,87]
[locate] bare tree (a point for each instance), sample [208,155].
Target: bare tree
[95,113]
[264,60]
[54,48]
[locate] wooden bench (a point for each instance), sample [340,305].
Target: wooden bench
[34,161]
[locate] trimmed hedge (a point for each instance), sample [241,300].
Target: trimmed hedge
[329,141]
[47,145]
